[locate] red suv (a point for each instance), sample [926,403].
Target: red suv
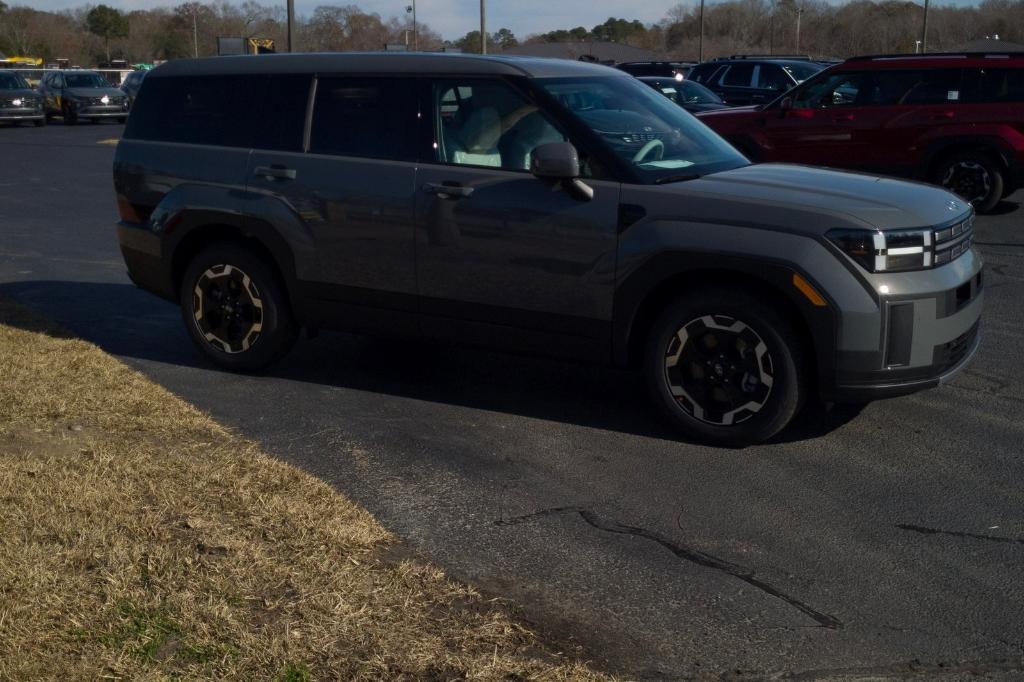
[956,120]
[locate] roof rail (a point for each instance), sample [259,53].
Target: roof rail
[946,55]
[793,57]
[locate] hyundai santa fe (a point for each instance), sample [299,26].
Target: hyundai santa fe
[545,206]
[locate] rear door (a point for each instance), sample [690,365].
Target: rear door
[736,84]
[503,257]
[347,188]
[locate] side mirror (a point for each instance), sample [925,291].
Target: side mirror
[555,161]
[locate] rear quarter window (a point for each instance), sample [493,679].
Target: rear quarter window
[208,110]
[994,86]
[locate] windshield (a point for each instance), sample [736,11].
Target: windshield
[85,80]
[801,72]
[12,81]
[659,140]
[687,92]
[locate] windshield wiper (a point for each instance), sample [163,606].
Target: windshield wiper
[676,178]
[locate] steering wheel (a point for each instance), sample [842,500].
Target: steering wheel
[651,146]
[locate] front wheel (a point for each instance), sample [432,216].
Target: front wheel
[235,309]
[122,119]
[40,122]
[976,177]
[725,368]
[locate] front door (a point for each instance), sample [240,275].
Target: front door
[502,255]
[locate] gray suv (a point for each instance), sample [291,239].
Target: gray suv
[544,206]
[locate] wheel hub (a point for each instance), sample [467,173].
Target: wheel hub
[228,309]
[719,370]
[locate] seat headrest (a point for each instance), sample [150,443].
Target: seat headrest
[482,130]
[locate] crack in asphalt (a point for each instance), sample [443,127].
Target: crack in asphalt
[687,553]
[924,530]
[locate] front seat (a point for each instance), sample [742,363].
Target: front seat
[476,144]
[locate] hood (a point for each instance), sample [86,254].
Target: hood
[814,200]
[93,92]
[18,93]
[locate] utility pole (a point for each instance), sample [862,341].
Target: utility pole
[411,9]
[291,23]
[800,13]
[924,29]
[700,41]
[483,26]
[195,33]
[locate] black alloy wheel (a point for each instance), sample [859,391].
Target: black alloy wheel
[726,367]
[235,308]
[974,177]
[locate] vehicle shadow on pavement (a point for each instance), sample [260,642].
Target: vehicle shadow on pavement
[127,322]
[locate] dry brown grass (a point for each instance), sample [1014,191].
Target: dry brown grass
[138,539]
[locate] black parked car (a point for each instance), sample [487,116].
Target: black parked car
[131,84]
[18,101]
[689,95]
[74,95]
[744,80]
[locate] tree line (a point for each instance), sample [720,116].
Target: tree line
[91,34]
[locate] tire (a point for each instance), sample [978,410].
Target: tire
[122,119]
[261,329]
[70,118]
[41,122]
[717,356]
[974,176]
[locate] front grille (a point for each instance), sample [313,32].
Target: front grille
[952,242]
[949,355]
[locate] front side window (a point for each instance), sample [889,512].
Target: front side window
[367,117]
[85,80]
[833,90]
[990,86]
[481,122]
[739,76]
[657,139]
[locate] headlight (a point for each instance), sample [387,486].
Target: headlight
[16,102]
[904,250]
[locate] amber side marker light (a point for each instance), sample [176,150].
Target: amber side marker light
[808,291]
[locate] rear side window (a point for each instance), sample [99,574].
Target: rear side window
[209,110]
[283,120]
[995,85]
[739,75]
[704,73]
[772,77]
[368,117]
[932,86]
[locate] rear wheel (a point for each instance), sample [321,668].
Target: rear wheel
[235,309]
[725,368]
[975,176]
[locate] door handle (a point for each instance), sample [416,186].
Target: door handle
[942,115]
[275,171]
[840,118]
[448,190]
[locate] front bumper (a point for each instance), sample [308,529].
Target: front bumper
[20,114]
[101,112]
[926,334]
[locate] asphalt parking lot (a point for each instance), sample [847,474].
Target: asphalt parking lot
[882,541]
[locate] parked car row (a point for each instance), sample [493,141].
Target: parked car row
[74,95]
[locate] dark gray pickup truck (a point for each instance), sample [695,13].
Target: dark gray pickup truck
[544,206]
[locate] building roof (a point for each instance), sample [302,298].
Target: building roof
[594,50]
[991,45]
[382,62]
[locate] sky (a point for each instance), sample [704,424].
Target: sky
[452,18]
